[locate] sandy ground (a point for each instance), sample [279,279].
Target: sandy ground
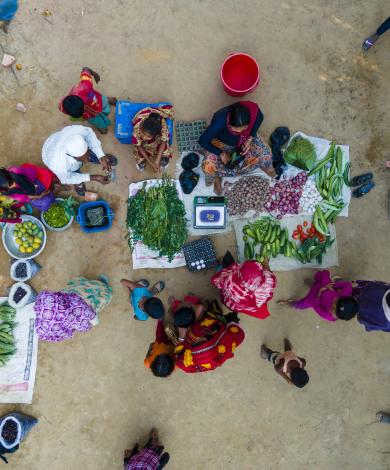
[93,396]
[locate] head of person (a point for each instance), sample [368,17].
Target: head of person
[154,308]
[76,146]
[239,117]
[152,125]
[346,308]
[6,180]
[163,365]
[299,377]
[73,106]
[184,317]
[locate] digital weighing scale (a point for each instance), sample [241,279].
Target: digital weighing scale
[209,212]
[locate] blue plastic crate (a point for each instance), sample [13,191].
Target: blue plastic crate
[81,218]
[124,114]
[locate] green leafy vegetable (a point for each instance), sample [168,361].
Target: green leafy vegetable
[301,153]
[156,216]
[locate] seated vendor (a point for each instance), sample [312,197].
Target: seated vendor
[232,145]
[151,137]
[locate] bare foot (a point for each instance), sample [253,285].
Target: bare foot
[154,437]
[112,100]
[218,185]
[285,302]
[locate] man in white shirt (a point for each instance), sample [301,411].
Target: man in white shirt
[65,152]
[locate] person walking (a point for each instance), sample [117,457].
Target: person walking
[151,457]
[85,103]
[371,40]
[287,364]
[65,152]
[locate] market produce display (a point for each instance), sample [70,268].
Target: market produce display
[283,197]
[156,216]
[310,198]
[301,153]
[246,194]
[7,340]
[28,236]
[273,240]
[59,214]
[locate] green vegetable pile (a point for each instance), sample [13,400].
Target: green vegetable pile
[7,340]
[60,213]
[156,216]
[301,153]
[274,240]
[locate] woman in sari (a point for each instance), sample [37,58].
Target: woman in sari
[75,308]
[28,184]
[232,145]
[246,288]
[151,137]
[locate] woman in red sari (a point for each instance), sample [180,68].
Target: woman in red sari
[246,288]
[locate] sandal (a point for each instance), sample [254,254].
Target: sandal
[361,179]
[364,189]
[141,166]
[158,287]
[164,162]
[112,159]
[80,189]
[369,42]
[143,282]
[383,417]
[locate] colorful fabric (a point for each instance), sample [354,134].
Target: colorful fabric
[92,99]
[208,344]
[146,459]
[135,296]
[8,9]
[246,288]
[244,135]
[150,146]
[373,302]
[323,294]
[258,157]
[101,120]
[97,294]
[162,345]
[10,210]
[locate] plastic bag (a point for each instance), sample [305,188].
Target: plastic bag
[27,298]
[31,268]
[23,424]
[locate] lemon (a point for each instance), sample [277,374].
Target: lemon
[30,249]
[18,241]
[37,240]
[22,249]
[35,246]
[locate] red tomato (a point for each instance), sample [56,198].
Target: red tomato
[305,223]
[296,236]
[299,228]
[304,236]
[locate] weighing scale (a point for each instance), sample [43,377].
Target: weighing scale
[209,212]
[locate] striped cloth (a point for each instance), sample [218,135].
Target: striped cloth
[146,459]
[246,288]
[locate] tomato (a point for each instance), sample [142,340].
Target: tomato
[299,228]
[305,223]
[321,238]
[295,236]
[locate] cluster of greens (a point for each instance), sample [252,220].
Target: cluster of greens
[301,153]
[156,216]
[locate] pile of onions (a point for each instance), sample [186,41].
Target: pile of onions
[283,197]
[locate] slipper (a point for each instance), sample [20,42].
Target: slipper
[164,162]
[112,159]
[361,179]
[158,287]
[143,282]
[382,417]
[368,43]
[141,166]
[364,189]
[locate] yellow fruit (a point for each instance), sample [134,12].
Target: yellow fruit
[18,241]
[37,240]
[25,244]
[30,249]
[35,246]
[22,249]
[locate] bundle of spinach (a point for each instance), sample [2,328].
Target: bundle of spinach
[156,216]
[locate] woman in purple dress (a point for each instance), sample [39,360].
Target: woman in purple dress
[335,299]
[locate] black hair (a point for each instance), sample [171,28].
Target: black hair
[154,308]
[73,105]
[299,377]
[184,317]
[346,308]
[7,178]
[239,115]
[152,124]
[163,365]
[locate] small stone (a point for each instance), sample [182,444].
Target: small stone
[18,66]
[21,107]
[8,60]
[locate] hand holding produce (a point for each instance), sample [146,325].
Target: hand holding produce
[28,236]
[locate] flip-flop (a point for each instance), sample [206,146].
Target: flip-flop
[158,287]
[361,179]
[112,159]
[143,282]
[368,43]
[104,279]
[364,189]
[383,417]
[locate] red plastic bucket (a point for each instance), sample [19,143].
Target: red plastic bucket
[240,74]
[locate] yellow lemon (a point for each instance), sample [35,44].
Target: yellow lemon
[37,240]
[22,249]
[18,241]
[30,249]
[35,246]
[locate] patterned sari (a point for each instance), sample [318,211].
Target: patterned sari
[150,146]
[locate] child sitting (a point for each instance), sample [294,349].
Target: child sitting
[151,137]
[143,299]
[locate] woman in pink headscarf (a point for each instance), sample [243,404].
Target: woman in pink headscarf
[246,287]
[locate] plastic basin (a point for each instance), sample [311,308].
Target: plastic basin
[9,240]
[81,218]
[240,74]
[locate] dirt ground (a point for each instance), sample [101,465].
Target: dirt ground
[93,396]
